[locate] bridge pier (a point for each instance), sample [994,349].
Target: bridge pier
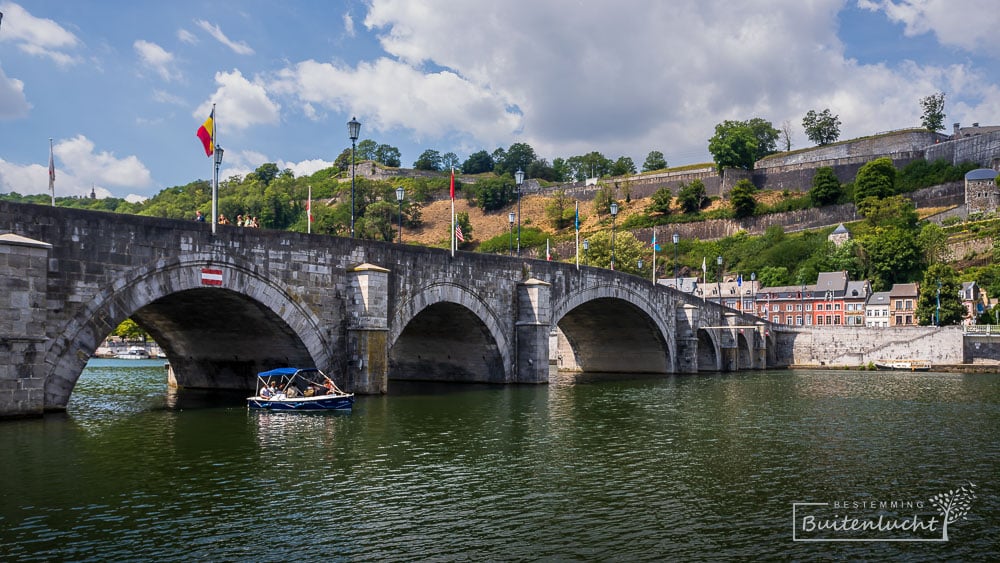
[367,364]
[23,278]
[687,321]
[533,325]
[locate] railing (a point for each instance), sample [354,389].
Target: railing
[982,329]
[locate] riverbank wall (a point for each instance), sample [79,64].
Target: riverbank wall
[857,347]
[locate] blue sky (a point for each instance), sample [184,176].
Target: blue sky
[122,87]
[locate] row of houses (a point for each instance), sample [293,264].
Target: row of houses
[832,300]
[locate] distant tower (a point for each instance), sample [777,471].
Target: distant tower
[840,235]
[93,194]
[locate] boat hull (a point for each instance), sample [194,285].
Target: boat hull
[903,366]
[323,403]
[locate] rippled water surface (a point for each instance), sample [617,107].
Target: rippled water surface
[699,467]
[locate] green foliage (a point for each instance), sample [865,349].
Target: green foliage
[477,163]
[602,199]
[518,157]
[766,137]
[826,187]
[733,145]
[560,210]
[623,166]
[951,310]
[654,161]
[129,330]
[590,165]
[661,201]
[742,198]
[692,197]
[922,174]
[933,243]
[774,276]
[388,155]
[430,159]
[893,256]
[462,220]
[491,194]
[628,251]
[875,179]
[895,211]
[932,118]
[540,169]
[821,128]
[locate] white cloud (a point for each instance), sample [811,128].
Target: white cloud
[241,103]
[37,36]
[349,24]
[161,61]
[968,24]
[13,104]
[238,47]
[186,36]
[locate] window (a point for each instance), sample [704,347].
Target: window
[798,307]
[909,305]
[788,307]
[819,320]
[836,306]
[809,306]
[836,320]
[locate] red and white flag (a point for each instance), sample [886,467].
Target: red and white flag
[458,233]
[211,276]
[52,175]
[452,183]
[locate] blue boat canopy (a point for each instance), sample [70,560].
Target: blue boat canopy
[278,372]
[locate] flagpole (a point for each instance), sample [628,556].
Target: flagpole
[577,221]
[454,242]
[52,175]
[215,175]
[654,257]
[309,212]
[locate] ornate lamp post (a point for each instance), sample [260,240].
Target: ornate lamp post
[586,249]
[518,180]
[614,213]
[718,281]
[215,187]
[399,198]
[677,239]
[753,291]
[510,245]
[353,129]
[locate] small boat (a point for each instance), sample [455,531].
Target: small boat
[133,353]
[298,389]
[903,365]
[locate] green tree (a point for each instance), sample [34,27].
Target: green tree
[129,330]
[628,251]
[590,165]
[450,160]
[943,277]
[822,128]
[773,276]
[661,201]
[388,155]
[895,211]
[366,149]
[603,197]
[876,178]
[692,197]
[560,210]
[933,116]
[380,218]
[933,242]
[893,256]
[540,169]
[766,136]
[734,145]
[491,194]
[623,166]
[266,173]
[742,198]
[462,220]
[477,163]
[430,159]
[518,157]
[826,188]
[654,161]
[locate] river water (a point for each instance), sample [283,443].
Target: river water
[695,467]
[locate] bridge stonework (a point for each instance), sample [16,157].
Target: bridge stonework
[225,306]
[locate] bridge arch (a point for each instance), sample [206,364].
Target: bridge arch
[263,325]
[446,332]
[598,326]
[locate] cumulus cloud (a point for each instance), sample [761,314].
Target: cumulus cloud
[38,36]
[13,104]
[186,36]
[158,59]
[968,24]
[241,103]
[79,167]
[238,47]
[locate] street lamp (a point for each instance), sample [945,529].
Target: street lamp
[640,266]
[510,245]
[353,129]
[518,179]
[614,213]
[399,198]
[937,316]
[753,291]
[586,248]
[677,239]
[215,187]
[718,281]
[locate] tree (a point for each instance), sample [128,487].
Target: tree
[388,155]
[895,211]
[786,135]
[628,251]
[477,163]
[742,198]
[266,173]
[654,161]
[561,210]
[943,277]
[661,201]
[462,221]
[933,241]
[491,194]
[822,128]
[766,136]
[517,157]
[933,116]
[876,178]
[733,145]
[826,187]
[129,330]
[893,256]
[540,169]
[692,197]
[366,150]
[590,165]
[430,159]
[623,166]
[449,160]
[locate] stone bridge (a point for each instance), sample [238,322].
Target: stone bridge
[226,306]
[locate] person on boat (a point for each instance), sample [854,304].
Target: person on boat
[266,391]
[291,391]
[329,386]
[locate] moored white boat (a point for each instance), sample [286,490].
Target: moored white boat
[133,353]
[903,365]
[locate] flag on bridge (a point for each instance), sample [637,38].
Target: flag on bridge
[548,254]
[739,280]
[704,270]
[458,233]
[207,133]
[577,222]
